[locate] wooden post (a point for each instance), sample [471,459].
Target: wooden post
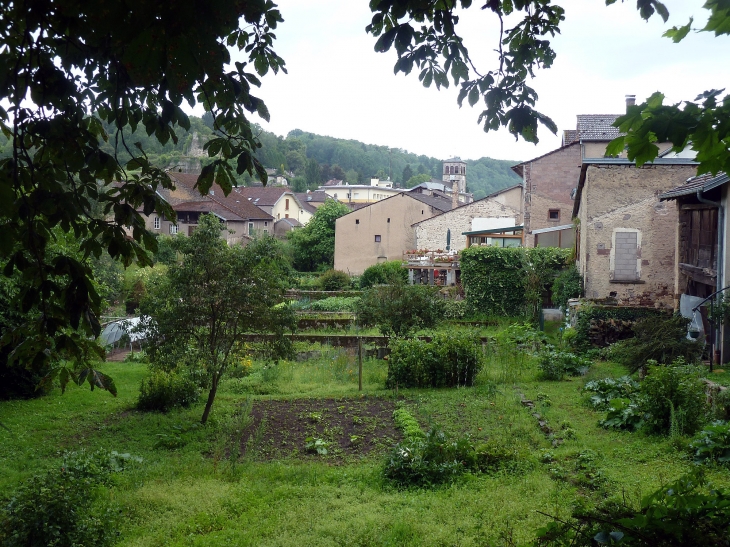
[359,363]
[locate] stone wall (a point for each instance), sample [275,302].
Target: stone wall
[617,202]
[431,233]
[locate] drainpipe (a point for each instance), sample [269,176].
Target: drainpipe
[720,251]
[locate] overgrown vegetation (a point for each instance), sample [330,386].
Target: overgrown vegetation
[399,309]
[384,272]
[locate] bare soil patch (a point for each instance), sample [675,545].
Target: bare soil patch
[335,430]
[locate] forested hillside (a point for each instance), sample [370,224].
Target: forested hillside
[314,159]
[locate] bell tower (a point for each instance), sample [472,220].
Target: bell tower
[455,171]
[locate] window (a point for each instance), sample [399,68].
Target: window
[624,256]
[286,215]
[388,220]
[377,239]
[357,221]
[173,229]
[250,228]
[266,222]
[554,214]
[157,223]
[286,205]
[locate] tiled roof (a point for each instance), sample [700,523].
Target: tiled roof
[701,182]
[234,203]
[294,223]
[597,127]
[569,135]
[455,159]
[436,202]
[316,196]
[266,195]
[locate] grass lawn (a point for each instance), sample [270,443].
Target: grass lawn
[248,478]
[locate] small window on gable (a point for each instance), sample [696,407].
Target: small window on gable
[388,220]
[554,214]
[377,239]
[287,204]
[357,221]
[421,211]
[266,222]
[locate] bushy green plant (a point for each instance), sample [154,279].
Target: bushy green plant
[555,364]
[454,309]
[448,360]
[673,397]
[391,271]
[162,391]
[605,390]
[624,414]
[678,514]
[712,444]
[568,284]
[334,280]
[522,336]
[656,338]
[399,309]
[407,424]
[64,507]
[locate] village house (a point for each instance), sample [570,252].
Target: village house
[627,235]
[360,193]
[382,230]
[448,230]
[277,201]
[241,218]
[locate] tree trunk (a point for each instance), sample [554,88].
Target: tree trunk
[211,398]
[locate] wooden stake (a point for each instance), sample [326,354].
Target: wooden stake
[359,363]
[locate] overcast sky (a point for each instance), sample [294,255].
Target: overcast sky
[338,86]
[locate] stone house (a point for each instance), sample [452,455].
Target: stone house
[242,219]
[626,241]
[382,231]
[433,233]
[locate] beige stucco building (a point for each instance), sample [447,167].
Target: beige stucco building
[627,237]
[382,231]
[432,234]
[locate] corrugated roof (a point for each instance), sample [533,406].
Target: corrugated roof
[494,230]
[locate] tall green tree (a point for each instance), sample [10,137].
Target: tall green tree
[407,174]
[72,76]
[313,246]
[313,173]
[200,309]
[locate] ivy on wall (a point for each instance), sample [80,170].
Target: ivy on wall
[509,281]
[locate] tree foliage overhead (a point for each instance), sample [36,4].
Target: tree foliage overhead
[424,36]
[74,75]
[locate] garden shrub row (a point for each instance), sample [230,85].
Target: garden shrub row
[448,360]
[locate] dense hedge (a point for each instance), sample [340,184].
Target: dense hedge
[499,281]
[599,326]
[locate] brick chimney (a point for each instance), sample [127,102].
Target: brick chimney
[630,101]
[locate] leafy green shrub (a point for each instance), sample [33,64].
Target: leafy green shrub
[384,273]
[673,398]
[399,309]
[657,338]
[721,405]
[568,284]
[448,360]
[623,414]
[712,444]
[607,389]
[454,309]
[162,391]
[429,461]
[600,326]
[678,514]
[522,336]
[336,303]
[334,280]
[555,364]
[63,507]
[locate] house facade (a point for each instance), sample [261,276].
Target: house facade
[382,231]
[448,230]
[277,201]
[627,236]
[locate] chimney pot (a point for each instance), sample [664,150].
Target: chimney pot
[630,100]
